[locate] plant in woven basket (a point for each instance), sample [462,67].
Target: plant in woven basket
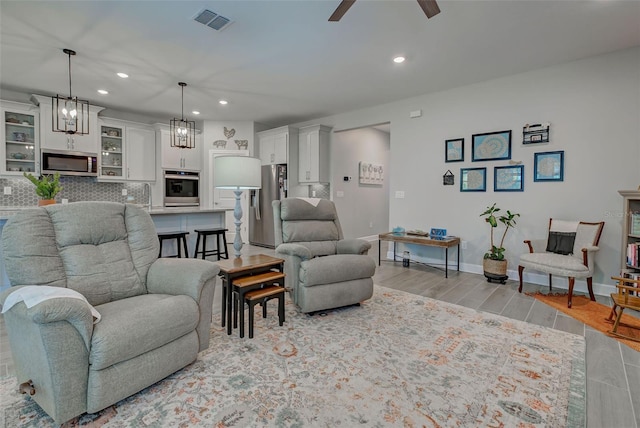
[47,186]
[508,220]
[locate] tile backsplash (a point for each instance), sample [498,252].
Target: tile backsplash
[323,191]
[74,189]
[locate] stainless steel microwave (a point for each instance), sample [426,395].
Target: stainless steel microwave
[69,163]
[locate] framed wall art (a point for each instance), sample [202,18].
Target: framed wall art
[548,166]
[508,178]
[371,173]
[536,133]
[473,179]
[491,146]
[454,150]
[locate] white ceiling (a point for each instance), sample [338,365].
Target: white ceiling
[282,62]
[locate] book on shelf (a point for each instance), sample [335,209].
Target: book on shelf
[634,224]
[633,255]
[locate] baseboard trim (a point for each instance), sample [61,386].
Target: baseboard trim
[559,282]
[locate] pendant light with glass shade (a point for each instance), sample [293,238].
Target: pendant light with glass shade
[183,131]
[69,114]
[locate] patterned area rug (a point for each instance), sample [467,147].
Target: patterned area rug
[397,360]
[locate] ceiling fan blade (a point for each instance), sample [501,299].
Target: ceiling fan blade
[342,8]
[430,7]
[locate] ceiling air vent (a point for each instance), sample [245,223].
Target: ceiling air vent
[212,19]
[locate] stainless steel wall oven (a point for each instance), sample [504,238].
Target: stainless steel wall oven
[181,189]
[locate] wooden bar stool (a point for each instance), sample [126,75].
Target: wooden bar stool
[262,296]
[221,243]
[180,237]
[243,285]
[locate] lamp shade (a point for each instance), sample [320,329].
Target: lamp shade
[237,172]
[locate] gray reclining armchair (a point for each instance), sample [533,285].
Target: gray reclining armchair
[155,313]
[323,270]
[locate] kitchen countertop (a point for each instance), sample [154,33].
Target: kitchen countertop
[6,212]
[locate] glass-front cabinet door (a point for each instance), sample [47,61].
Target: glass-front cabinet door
[111,153]
[19,150]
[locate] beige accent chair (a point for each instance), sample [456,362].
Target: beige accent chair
[569,250]
[155,313]
[323,270]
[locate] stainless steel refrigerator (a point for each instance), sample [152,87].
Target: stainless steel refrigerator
[274,187]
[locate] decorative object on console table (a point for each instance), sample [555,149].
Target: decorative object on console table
[70,114]
[494,264]
[183,131]
[548,166]
[536,133]
[237,173]
[473,179]
[454,150]
[491,146]
[508,178]
[47,187]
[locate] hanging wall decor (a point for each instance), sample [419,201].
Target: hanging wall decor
[454,150]
[536,133]
[508,178]
[473,179]
[548,166]
[371,173]
[448,178]
[491,146]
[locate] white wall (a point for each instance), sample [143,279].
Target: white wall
[213,131]
[593,106]
[372,201]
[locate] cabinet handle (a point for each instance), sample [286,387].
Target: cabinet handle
[73,143]
[128,173]
[273,157]
[308,175]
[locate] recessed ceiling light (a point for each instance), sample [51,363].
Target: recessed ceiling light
[196,112]
[123,75]
[103,91]
[399,59]
[223,102]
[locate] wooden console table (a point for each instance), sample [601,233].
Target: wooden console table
[444,243]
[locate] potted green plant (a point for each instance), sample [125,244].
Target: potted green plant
[47,187]
[494,263]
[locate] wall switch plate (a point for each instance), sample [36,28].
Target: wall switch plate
[415,113]
[463,244]
[339,194]
[399,194]
[124,192]
[65,201]
[7,190]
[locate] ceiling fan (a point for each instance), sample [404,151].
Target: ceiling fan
[430,8]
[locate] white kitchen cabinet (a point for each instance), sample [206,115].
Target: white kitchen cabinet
[19,135]
[274,144]
[175,158]
[111,155]
[313,154]
[140,149]
[49,139]
[127,151]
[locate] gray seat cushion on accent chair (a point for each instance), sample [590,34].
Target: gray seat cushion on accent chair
[323,270]
[155,313]
[579,263]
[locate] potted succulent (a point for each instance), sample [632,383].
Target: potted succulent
[47,187]
[494,263]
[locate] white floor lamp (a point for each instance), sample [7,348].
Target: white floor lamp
[237,173]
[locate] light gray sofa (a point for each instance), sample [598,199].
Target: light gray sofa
[323,270]
[155,313]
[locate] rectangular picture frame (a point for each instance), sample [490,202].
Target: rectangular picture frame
[548,166]
[454,150]
[491,146]
[473,179]
[508,178]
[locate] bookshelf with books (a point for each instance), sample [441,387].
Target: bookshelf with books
[631,233]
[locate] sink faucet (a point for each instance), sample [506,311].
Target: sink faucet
[148,187]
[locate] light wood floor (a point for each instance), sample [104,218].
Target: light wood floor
[613,369]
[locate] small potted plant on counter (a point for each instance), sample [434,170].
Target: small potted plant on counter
[494,263]
[47,187]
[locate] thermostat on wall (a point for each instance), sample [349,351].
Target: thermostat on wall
[346,178]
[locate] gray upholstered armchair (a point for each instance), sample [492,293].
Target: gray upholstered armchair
[155,313]
[323,270]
